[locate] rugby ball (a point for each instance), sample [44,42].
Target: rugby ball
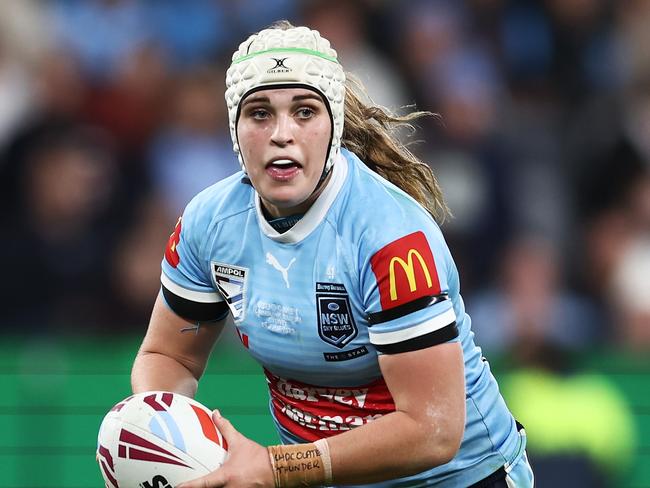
[158,439]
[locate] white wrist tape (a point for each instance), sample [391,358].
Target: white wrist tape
[324,448]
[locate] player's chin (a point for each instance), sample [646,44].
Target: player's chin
[288,206]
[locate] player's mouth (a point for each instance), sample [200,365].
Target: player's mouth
[283,169]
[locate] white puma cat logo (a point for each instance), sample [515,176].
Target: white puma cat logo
[270,259]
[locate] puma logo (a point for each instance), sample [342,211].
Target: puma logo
[270,259]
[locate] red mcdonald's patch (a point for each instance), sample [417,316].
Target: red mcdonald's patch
[405,270]
[171,253]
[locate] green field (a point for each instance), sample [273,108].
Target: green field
[55,394]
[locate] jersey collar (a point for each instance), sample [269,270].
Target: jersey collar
[315,214]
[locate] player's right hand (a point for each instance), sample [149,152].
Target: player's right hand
[248,464]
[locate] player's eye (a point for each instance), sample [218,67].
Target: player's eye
[305,112]
[258,113]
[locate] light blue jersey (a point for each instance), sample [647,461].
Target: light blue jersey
[365,272]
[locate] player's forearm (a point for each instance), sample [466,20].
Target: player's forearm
[154,371]
[393,446]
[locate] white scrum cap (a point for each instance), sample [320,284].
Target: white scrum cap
[296,57]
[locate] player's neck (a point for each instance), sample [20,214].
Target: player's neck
[284,223]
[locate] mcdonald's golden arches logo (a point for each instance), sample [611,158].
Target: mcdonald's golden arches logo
[405,270]
[407,267]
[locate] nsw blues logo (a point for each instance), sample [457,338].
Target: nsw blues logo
[231,283]
[335,322]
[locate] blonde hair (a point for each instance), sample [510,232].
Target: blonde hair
[370,132]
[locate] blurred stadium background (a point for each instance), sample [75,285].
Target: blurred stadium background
[112,117]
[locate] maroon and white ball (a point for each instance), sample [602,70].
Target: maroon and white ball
[158,439]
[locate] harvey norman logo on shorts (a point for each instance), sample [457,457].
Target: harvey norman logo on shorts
[231,283]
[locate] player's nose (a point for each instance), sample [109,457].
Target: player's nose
[282,130]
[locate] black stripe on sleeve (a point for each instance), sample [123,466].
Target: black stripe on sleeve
[406,308]
[195,311]
[434,338]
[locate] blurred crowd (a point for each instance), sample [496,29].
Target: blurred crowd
[112,117]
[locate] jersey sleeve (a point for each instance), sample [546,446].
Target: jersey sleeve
[186,284]
[406,289]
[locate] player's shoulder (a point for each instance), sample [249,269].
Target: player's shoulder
[378,212]
[219,202]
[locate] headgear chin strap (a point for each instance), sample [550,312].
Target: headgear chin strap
[295,57]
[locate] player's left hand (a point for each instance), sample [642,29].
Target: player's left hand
[248,464]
